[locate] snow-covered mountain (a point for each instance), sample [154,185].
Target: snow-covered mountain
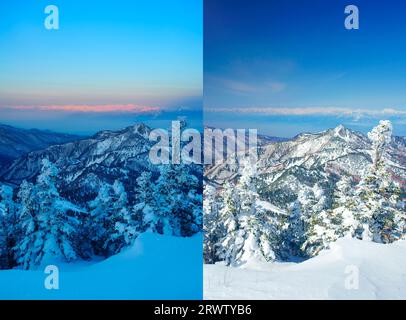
[93,197]
[85,164]
[305,193]
[309,158]
[15,142]
[262,139]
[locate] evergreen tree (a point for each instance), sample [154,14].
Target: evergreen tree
[145,207]
[178,201]
[111,225]
[318,231]
[99,221]
[251,230]
[7,222]
[229,247]
[126,227]
[212,228]
[343,215]
[382,216]
[257,222]
[46,221]
[292,233]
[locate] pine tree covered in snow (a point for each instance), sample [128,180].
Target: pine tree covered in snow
[47,222]
[178,201]
[343,211]
[213,229]
[7,221]
[145,207]
[317,229]
[111,224]
[383,218]
[230,244]
[292,233]
[322,225]
[126,227]
[250,229]
[27,219]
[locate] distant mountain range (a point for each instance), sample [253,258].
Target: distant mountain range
[313,157]
[15,142]
[85,163]
[289,165]
[262,139]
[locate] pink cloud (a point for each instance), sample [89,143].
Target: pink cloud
[130,108]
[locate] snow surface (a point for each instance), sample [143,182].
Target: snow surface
[382,275]
[155,267]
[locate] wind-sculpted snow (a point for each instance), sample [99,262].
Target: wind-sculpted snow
[350,269]
[154,267]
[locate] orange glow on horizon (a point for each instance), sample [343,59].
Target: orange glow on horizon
[130,108]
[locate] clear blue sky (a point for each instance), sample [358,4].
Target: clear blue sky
[286,66]
[127,56]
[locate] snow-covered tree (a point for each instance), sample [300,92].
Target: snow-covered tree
[292,233]
[145,206]
[126,227]
[7,222]
[378,195]
[47,221]
[27,218]
[213,229]
[253,218]
[110,223]
[314,224]
[380,136]
[178,201]
[229,219]
[250,229]
[318,228]
[343,214]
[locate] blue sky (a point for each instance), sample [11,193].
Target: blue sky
[110,63]
[285,67]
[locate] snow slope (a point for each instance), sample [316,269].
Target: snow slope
[155,267]
[382,275]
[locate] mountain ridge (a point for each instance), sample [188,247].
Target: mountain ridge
[313,149]
[15,142]
[86,163]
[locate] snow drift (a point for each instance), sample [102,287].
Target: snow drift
[155,267]
[380,268]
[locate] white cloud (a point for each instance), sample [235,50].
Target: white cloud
[356,113]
